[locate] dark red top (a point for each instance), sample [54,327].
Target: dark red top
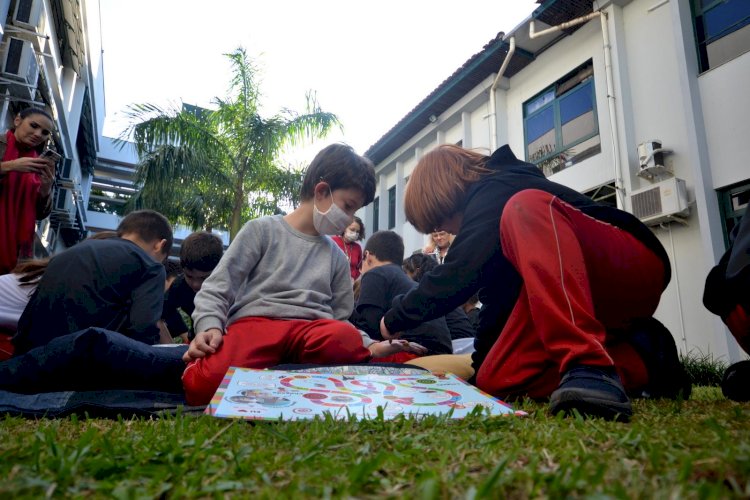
[353,254]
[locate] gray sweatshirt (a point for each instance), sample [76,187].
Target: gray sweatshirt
[274,271]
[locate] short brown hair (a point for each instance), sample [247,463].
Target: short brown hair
[148,225]
[437,187]
[201,251]
[342,168]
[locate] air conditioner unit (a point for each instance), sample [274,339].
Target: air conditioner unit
[27,14]
[19,65]
[663,201]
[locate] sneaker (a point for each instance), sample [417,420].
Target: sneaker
[593,391]
[736,382]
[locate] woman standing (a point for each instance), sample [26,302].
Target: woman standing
[442,241]
[348,243]
[25,184]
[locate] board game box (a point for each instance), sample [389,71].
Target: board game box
[291,395]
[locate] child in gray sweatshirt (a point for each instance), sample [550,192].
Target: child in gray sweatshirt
[282,291]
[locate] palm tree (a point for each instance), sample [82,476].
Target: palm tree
[208,168]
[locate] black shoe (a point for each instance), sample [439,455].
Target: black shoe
[736,382]
[595,392]
[667,377]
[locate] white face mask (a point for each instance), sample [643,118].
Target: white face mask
[351,236]
[331,222]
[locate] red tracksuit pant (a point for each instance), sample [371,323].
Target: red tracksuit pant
[738,322]
[256,342]
[583,280]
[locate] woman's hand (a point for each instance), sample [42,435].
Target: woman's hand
[28,165]
[44,167]
[47,176]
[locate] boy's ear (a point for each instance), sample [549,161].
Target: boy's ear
[321,188]
[160,247]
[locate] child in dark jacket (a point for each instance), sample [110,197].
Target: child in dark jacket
[562,280]
[727,294]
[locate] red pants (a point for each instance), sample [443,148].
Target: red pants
[583,279]
[399,357]
[738,322]
[6,346]
[264,342]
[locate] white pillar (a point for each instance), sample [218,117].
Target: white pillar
[466,128]
[400,185]
[383,205]
[440,137]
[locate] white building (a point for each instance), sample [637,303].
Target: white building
[578,102]
[51,57]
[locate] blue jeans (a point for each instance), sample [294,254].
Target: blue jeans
[92,360]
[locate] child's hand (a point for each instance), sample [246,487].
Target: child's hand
[415,348]
[389,347]
[203,344]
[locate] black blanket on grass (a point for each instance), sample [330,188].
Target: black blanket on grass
[101,373]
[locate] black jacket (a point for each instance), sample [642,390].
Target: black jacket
[476,261]
[179,296]
[728,283]
[378,287]
[111,284]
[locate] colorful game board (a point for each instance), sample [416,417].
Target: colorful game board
[289,395]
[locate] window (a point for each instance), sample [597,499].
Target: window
[605,194]
[733,202]
[560,124]
[392,207]
[375,213]
[722,30]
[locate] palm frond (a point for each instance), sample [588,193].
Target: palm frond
[243,79]
[313,124]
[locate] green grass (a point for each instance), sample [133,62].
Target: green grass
[698,448]
[703,369]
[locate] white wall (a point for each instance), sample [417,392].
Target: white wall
[726,105]
[654,99]
[480,129]
[549,67]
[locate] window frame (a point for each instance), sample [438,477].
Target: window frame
[702,40]
[392,207]
[375,214]
[728,212]
[555,105]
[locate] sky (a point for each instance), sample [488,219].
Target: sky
[370,63]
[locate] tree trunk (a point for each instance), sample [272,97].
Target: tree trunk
[239,193]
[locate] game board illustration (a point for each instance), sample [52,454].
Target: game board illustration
[288,395]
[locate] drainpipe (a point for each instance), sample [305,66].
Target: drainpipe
[493,103]
[619,189]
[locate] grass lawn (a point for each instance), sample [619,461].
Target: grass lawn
[697,448]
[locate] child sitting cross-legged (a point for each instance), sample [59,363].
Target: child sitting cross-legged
[282,292]
[383,279]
